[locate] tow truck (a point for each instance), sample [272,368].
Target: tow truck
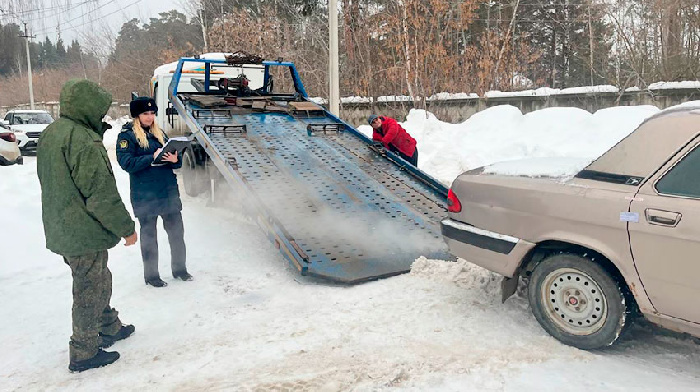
[336,206]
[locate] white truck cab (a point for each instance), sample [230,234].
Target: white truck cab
[171,124]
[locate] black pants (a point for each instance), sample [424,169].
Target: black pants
[149,244]
[413,160]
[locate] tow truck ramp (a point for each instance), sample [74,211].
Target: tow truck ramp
[333,206]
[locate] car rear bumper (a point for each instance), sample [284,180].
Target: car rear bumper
[10,159]
[496,252]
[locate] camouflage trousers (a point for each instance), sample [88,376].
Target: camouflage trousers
[92,315]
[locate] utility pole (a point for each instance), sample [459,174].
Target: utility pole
[26,36]
[333,63]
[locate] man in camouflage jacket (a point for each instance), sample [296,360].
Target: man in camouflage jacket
[83,217]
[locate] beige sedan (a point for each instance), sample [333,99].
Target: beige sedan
[622,237]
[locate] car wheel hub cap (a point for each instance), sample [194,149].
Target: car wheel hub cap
[574,301]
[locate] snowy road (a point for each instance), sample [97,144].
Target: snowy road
[250,323]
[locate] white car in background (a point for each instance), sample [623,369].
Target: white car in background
[9,151]
[27,125]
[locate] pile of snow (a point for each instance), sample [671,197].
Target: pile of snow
[590,89]
[688,104]
[674,85]
[395,98]
[318,100]
[445,96]
[547,91]
[110,137]
[525,142]
[355,99]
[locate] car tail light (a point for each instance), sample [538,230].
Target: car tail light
[453,204]
[8,136]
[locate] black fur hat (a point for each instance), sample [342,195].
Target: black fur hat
[142,104]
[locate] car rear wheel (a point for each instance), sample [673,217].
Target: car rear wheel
[577,301]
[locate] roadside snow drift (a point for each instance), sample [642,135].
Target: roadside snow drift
[502,133]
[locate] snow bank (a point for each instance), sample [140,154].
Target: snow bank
[110,137]
[445,96]
[672,85]
[590,89]
[689,104]
[526,142]
[355,99]
[318,100]
[395,98]
[546,91]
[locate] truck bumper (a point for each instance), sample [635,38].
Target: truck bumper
[496,252]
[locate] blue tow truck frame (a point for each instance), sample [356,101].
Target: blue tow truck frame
[417,201]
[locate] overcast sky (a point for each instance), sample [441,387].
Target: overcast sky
[81,19]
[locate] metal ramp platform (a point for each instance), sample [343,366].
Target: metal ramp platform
[350,214]
[335,208]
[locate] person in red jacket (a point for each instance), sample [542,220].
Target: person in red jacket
[394,138]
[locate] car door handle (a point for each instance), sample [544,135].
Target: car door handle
[663,218]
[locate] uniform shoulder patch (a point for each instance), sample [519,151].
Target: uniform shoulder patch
[123,144]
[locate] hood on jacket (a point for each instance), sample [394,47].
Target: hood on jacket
[86,102]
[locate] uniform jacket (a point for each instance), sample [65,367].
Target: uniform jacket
[154,189]
[81,207]
[392,133]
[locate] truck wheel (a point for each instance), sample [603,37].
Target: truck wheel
[193,176]
[577,301]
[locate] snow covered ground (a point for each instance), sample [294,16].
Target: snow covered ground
[248,322]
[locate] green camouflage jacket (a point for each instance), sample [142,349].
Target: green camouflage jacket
[81,208]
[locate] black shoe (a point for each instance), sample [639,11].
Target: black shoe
[124,332]
[102,358]
[156,282]
[182,275]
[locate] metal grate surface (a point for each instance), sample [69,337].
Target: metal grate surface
[355,215]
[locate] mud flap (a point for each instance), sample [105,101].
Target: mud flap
[508,287]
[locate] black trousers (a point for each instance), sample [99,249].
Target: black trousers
[413,160]
[149,244]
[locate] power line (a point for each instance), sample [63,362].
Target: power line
[16,14]
[44,9]
[45,30]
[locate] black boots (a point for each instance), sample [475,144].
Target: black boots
[182,276]
[124,332]
[156,282]
[102,358]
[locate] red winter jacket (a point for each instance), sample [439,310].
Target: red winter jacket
[392,133]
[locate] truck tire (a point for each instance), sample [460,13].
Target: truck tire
[577,301]
[193,175]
